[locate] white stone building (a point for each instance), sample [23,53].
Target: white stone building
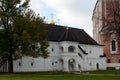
[71,49]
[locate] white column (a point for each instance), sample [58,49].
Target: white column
[76,66]
[65,49]
[65,65]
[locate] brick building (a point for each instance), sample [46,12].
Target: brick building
[106,29]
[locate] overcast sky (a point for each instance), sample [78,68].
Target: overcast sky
[73,13]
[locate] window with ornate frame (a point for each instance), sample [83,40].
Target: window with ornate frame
[113,44]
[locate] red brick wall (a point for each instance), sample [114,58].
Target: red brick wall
[105,38]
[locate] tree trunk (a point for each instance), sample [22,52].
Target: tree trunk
[11,51]
[10,63]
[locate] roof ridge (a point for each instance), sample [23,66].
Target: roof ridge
[64,33]
[65,26]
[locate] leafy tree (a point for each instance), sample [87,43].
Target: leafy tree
[22,32]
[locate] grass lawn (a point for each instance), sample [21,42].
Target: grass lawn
[115,72]
[59,76]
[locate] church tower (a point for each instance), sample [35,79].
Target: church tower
[106,29]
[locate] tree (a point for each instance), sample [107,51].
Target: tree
[22,31]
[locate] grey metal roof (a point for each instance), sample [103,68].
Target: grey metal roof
[62,33]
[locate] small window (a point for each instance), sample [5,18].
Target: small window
[108,61]
[80,55]
[52,63]
[97,65]
[52,49]
[56,62]
[19,64]
[32,63]
[113,45]
[79,66]
[119,61]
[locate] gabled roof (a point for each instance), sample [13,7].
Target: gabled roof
[62,33]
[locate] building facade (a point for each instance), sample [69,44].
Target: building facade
[106,20]
[70,49]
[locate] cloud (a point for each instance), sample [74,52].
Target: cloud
[75,13]
[36,5]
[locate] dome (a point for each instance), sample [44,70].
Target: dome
[52,22]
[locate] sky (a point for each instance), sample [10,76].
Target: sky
[71,13]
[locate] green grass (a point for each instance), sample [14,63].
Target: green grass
[115,72]
[56,76]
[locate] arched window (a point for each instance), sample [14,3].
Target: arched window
[113,45]
[71,49]
[61,49]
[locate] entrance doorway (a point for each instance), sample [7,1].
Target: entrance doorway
[71,65]
[97,65]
